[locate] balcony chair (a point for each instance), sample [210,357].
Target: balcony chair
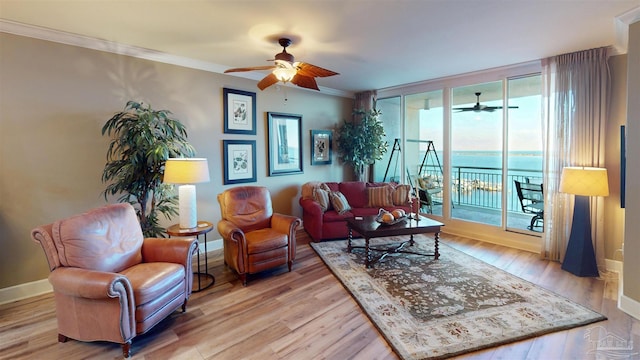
[109,282]
[255,238]
[532,202]
[426,187]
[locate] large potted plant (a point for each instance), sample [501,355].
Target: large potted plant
[142,140]
[361,143]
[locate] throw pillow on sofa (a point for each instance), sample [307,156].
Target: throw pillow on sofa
[321,196]
[380,196]
[339,202]
[400,195]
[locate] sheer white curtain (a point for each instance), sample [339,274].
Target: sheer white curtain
[575,88]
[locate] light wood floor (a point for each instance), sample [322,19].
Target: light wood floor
[307,314]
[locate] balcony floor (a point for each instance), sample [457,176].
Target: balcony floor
[515,221]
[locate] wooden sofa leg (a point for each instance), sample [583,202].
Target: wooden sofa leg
[62,338]
[184,306]
[126,349]
[243,278]
[290,263]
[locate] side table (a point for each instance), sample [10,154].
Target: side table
[202,228]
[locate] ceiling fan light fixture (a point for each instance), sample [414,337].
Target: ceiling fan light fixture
[283,74]
[284,71]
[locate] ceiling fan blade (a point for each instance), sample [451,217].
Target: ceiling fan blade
[305,81]
[307,69]
[464,109]
[253,68]
[267,81]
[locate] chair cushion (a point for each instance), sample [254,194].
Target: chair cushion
[105,239]
[333,216]
[265,240]
[151,280]
[248,207]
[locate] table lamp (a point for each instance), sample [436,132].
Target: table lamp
[583,182]
[186,172]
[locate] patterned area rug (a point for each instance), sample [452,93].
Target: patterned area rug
[430,309]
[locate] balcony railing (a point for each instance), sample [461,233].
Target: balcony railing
[482,186]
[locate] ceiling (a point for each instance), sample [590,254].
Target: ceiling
[373,44]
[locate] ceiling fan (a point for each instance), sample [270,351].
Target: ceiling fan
[477,107]
[287,69]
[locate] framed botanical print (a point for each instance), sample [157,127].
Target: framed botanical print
[321,147]
[285,143]
[239,112]
[239,161]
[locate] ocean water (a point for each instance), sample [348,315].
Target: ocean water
[517,160]
[480,176]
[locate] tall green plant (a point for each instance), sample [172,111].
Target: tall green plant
[142,140]
[360,144]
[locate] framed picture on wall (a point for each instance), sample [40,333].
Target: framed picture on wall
[239,161]
[321,147]
[285,143]
[239,112]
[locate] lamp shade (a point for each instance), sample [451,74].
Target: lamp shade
[586,181]
[186,171]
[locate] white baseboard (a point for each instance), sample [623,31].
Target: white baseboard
[629,306]
[613,265]
[39,287]
[23,291]
[625,303]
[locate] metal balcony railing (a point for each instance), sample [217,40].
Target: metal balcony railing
[482,186]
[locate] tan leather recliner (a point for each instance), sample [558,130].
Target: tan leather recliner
[110,283]
[255,238]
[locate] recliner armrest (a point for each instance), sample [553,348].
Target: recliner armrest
[285,223]
[90,284]
[230,231]
[174,250]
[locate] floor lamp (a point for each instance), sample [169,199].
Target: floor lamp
[583,182]
[186,172]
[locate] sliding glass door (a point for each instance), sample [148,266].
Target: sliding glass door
[423,148]
[389,168]
[524,145]
[476,152]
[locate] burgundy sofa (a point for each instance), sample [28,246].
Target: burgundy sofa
[329,224]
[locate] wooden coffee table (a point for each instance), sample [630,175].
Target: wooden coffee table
[369,228]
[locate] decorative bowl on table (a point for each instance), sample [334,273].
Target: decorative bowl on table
[385,217]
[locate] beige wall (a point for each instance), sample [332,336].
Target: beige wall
[631,267]
[54,100]
[614,214]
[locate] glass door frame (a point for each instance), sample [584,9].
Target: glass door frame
[455,226]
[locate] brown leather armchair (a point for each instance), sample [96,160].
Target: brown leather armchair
[255,238]
[110,283]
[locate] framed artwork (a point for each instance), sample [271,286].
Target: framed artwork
[285,143]
[320,147]
[239,112]
[239,161]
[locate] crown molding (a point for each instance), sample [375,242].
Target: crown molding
[66,38]
[621,23]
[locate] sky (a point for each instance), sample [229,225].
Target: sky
[471,131]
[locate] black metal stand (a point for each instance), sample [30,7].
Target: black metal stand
[202,228]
